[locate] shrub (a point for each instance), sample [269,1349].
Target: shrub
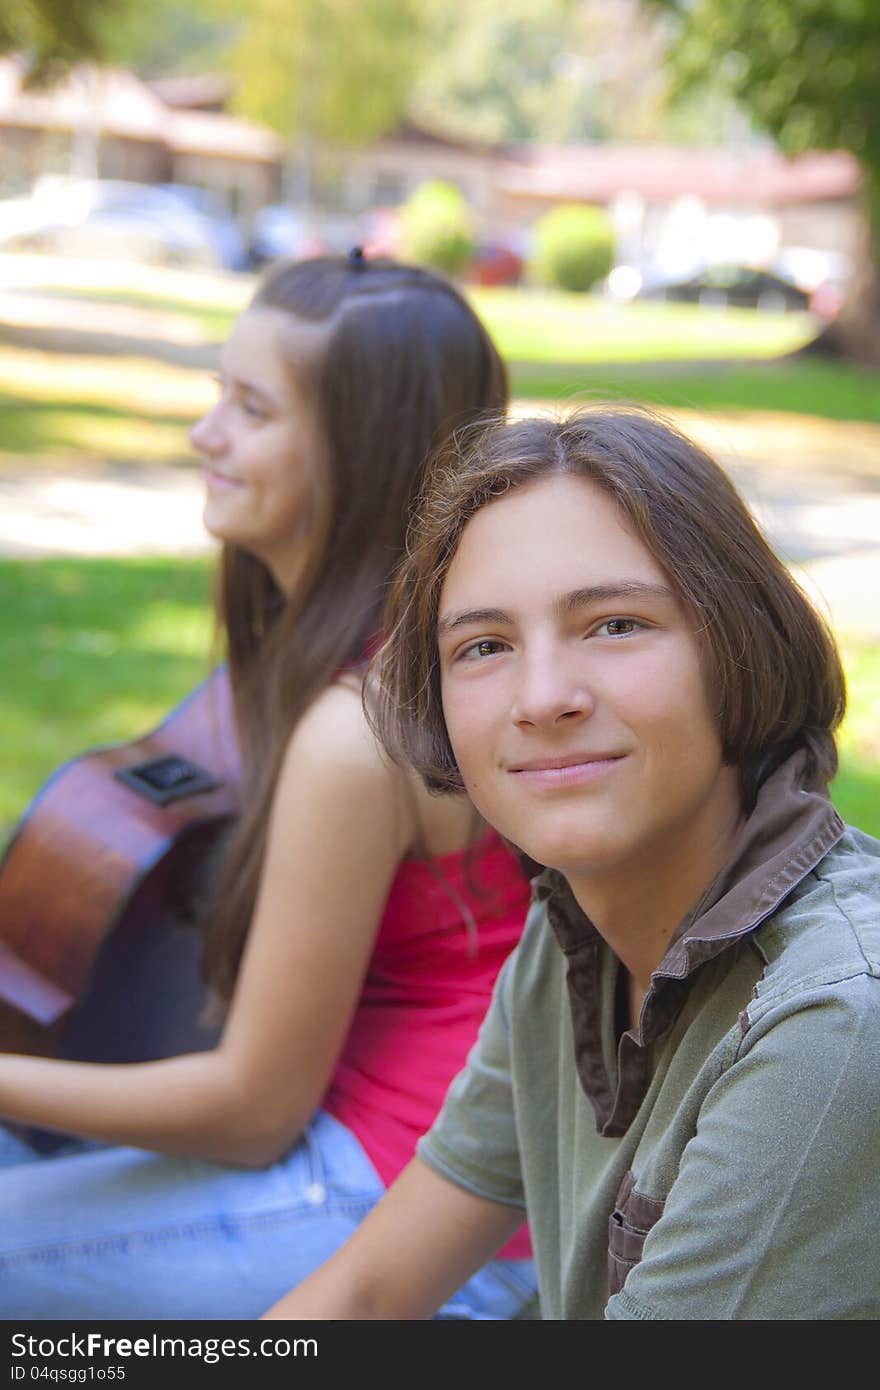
[436,228]
[573,247]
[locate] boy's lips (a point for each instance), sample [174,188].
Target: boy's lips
[566,770]
[550,764]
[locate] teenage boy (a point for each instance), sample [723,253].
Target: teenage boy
[677,1079]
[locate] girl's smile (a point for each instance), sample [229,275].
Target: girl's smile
[260,442]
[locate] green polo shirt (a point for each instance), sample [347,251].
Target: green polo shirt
[722,1160]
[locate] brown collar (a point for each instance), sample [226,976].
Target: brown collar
[784,838]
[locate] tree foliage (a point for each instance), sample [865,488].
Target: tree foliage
[553,70]
[167,37]
[493,67]
[152,39]
[55,33]
[807,72]
[326,70]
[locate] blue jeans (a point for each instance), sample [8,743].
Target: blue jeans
[116,1233]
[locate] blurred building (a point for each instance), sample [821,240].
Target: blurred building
[670,204]
[106,123]
[655,191]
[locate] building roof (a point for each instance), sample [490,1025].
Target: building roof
[204,91]
[660,173]
[117,103]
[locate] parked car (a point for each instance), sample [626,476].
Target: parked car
[222,226]
[824,275]
[739,286]
[280,230]
[495,263]
[112,218]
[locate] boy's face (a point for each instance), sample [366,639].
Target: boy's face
[572,684]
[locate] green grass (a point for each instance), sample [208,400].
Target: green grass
[99,651]
[553,327]
[59,426]
[92,652]
[215,320]
[808,386]
[857,787]
[571,346]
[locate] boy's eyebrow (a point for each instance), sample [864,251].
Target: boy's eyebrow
[621,588]
[472,615]
[566,603]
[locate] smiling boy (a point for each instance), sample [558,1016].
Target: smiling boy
[677,1078]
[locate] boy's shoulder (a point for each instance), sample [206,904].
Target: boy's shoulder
[826,934]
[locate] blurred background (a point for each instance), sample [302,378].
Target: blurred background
[668,201]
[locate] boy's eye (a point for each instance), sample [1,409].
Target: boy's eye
[618,627]
[256,412]
[487,646]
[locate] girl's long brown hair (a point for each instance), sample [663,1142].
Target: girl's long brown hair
[403,361]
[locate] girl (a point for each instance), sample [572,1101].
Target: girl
[357,923]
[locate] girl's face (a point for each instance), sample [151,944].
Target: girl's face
[260,442]
[573,688]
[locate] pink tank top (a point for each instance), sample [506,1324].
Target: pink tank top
[427,989]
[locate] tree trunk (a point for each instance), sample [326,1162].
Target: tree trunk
[854,333]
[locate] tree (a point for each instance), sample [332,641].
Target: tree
[807,72]
[152,39]
[554,70]
[166,37]
[325,71]
[56,33]
[491,68]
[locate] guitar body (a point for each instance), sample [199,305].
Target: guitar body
[99,957]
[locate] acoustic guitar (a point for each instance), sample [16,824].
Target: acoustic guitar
[99,891]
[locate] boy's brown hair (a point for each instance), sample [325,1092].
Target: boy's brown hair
[771,662]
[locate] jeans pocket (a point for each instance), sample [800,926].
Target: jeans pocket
[329,1166]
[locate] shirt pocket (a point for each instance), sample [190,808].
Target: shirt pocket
[632,1218]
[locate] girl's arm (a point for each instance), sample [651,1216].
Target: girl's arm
[339,827]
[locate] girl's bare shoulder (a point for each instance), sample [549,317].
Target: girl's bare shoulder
[335,744]
[334,734]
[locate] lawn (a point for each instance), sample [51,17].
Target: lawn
[99,651]
[215,320]
[92,652]
[559,346]
[556,327]
[95,651]
[798,385]
[57,408]
[541,325]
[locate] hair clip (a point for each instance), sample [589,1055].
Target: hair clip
[356,258]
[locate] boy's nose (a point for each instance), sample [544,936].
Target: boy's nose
[550,693]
